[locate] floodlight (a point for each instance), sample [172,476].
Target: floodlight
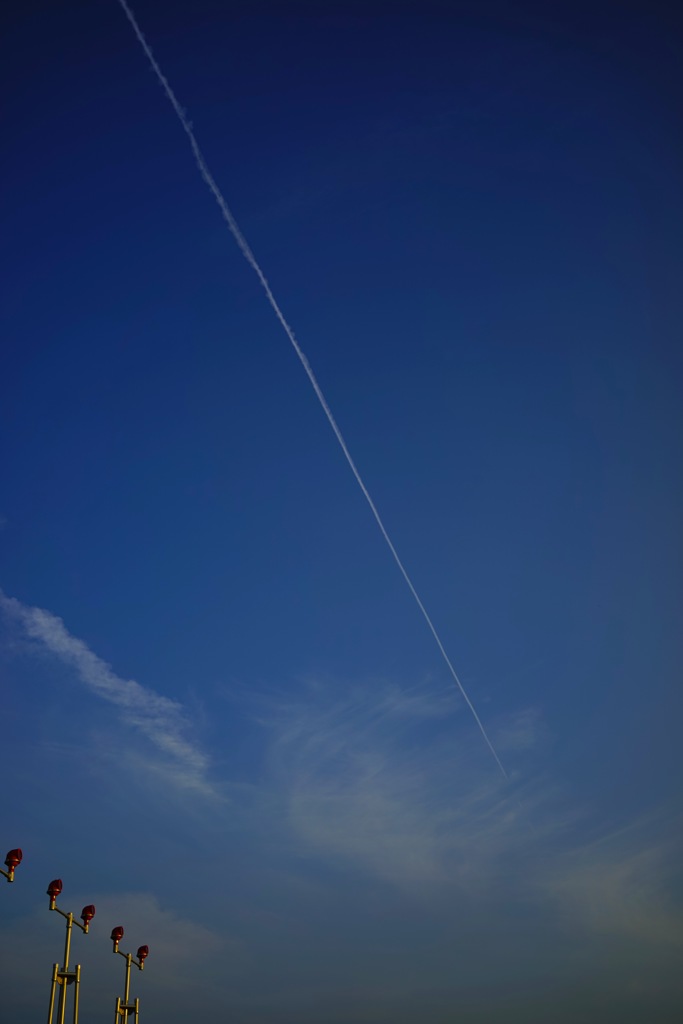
[87,914]
[13,859]
[53,890]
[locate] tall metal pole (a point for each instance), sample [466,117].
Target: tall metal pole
[124,1007]
[66,975]
[61,1011]
[77,985]
[126,990]
[53,990]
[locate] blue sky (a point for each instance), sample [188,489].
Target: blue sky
[225,721]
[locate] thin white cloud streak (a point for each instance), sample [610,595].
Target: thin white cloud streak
[159,718]
[251,260]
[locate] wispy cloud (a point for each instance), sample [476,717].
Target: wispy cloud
[388,782]
[521,731]
[162,720]
[388,779]
[620,884]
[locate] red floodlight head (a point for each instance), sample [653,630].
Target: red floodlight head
[53,890]
[116,936]
[13,859]
[87,914]
[143,953]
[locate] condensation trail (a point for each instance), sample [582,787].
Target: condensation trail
[251,260]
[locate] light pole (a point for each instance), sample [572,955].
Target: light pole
[12,861]
[63,976]
[124,1006]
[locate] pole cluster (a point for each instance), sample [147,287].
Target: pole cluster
[65,977]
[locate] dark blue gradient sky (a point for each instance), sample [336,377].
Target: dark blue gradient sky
[471,215]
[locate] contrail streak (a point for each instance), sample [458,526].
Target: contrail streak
[251,260]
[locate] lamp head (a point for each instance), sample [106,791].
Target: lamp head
[53,891]
[87,914]
[116,936]
[143,953]
[13,859]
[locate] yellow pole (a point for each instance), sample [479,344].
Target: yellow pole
[129,957]
[67,943]
[126,991]
[77,982]
[124,1008]
[61,1011]
[63,976]
[55,969]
